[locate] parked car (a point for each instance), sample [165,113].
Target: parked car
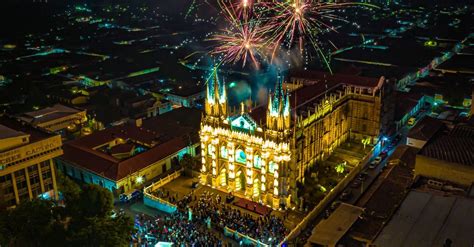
[355,183]
[378,159]
[133,195]
[411,121]
[334,205]
[327,213]
[363,175]
[346,195]
[373,164]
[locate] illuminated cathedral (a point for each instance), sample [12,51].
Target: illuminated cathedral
[261,153]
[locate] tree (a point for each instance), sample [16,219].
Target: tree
[102,231]
[86,221]
[365,141]
[92,224]
[93,201]
[341,167]
[69,189]
[188,161]
[30,223]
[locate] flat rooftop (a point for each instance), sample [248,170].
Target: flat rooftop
[48,114]
[425,129]
[6,132]
[329,232]
[426,219]
[14,127]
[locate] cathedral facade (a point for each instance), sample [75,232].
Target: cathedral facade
[261,153]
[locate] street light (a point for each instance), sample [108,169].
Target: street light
[139,179]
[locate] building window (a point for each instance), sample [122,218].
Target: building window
[211,149]
[257,162]
[271,167]
[223,152]
[240,156]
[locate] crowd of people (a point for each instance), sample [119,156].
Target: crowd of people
[195,218]
[175,228]
[267,229]
[166,195]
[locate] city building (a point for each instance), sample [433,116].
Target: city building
[125,157]
[407,105]
[263,153]
[57,118]
[423,131]
[384,197]
[430,216]
[69,96]
[445,89]
[26,162]
[187,96]
[449,156]
[145,106]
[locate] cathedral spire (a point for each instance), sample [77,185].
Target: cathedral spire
[216,98]
[278,113]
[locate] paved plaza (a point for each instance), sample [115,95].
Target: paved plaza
[182,186]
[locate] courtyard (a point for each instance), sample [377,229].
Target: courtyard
[323,176]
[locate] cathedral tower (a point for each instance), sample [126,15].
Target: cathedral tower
[216,96]
[278,111]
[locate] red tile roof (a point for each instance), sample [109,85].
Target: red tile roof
[425,129]
[167,134]
[457,146]
[150,157]
[319,76]
[114,169]
[125,132]
[122,148]
[321,82]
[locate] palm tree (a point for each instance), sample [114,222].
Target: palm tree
[341,167]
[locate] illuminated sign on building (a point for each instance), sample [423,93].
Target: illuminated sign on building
[30,150]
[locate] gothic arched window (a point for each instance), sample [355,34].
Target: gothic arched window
[240,156]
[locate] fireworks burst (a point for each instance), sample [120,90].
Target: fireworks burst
[241,43]
[258,29]
[299,22]
[243,40]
